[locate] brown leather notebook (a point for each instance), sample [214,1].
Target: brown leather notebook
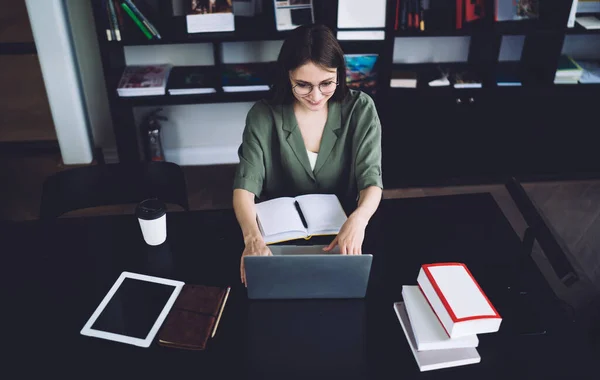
[194,317]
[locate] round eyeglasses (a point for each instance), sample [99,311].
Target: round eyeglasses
[304,89]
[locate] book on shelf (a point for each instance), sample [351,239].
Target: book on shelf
[589,22]
[466,79]
[144,80]
[205,16]
[508,76]
[361,72]
[115,30]
[241,77]
[286,218]
[427,330]
[572,14]
[567,71]
[356,14]
[187,80]
[457,300]
[437,15]
[289,14]
[441,78]
[433,359]
[194,318]
[590,71]
[403,79]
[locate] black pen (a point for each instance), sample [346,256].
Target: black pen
[300,213]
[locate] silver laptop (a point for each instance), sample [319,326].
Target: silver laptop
[306,272]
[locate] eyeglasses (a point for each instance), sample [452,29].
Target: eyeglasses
[304,89]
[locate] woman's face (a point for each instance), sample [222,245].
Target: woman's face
[310,74]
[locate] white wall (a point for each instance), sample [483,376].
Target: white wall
[49,23]
[251,51]
[582,46]
[511,48]
[431,49]
[176,54]
[448,49]
[202,134]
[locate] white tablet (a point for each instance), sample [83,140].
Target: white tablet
[133,309]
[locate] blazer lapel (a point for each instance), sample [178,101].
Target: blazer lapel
[330,134]
[295,139]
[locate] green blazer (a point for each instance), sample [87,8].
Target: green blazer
[273,159]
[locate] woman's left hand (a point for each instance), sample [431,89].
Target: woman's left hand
[350,237]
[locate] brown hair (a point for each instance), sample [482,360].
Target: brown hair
[314,43]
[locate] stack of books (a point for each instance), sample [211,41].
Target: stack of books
[567,71]
[443,314]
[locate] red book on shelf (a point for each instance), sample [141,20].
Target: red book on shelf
[457,300]
[459,14]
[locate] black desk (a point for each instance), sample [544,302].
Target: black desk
[60,271]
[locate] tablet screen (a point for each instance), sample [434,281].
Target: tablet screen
[134,308]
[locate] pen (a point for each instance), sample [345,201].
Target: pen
[220,312]
[300,213]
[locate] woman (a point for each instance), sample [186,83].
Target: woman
[314,136]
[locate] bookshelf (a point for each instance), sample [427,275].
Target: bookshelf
[431,134]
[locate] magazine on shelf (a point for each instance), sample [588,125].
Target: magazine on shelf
[144,80]
[186,80]
[361,72]
[241,77]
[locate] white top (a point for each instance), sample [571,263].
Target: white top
[312,158]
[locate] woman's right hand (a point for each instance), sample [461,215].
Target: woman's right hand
[254,247]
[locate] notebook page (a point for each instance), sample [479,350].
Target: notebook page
[323,213]
[279,215]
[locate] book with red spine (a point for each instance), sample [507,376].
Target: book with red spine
[458,301]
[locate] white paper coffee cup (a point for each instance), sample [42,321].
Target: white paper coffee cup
[152,216]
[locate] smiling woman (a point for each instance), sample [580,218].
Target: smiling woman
[313,136]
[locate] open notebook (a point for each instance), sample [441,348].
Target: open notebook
[286,218]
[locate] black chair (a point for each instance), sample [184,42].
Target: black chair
[539,230]
[112,184]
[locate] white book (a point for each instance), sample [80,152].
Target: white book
[204,23]
[434,359]
[281,219]
[589,22]
[591,72]
[356,14]
[191,91]
[429,333]
[572,14]
[246,88]
[457,300]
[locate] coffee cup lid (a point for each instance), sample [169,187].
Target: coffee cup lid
[150,209]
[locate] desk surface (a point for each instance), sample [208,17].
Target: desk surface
[61,270]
